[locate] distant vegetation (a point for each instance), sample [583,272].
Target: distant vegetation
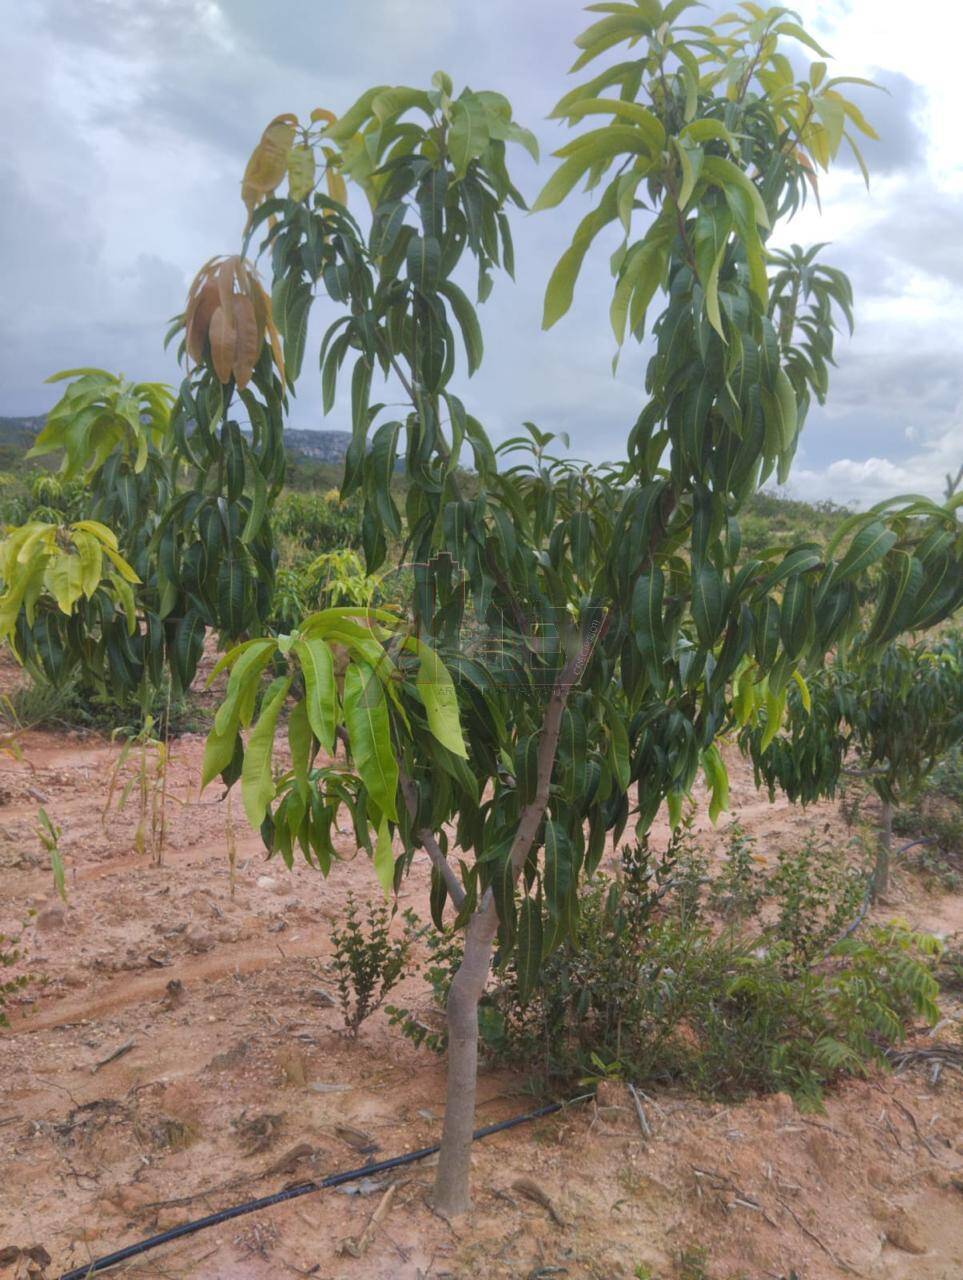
[315,462]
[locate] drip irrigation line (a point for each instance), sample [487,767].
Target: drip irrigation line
[302,1189]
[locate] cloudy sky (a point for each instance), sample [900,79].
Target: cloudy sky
[128,126]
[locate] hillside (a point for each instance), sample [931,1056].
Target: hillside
[319,446]
[20,431]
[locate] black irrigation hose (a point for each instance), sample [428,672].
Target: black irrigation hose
[352,1175]
[291,1193]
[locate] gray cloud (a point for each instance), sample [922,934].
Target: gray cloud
[134,123]
[895,111]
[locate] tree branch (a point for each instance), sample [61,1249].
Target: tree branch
[431,845]
[533,813]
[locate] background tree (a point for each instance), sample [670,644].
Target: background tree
[891,719]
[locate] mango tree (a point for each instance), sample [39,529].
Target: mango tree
[577,638]
[889,718]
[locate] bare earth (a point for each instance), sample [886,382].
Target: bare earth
[237,1080]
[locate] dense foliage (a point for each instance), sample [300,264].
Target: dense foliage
[673,977]
[893,718]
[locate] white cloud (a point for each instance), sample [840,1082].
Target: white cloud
[870,480]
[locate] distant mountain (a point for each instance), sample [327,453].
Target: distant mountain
[20,431]
[320,446]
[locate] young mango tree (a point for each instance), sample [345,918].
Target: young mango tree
[74,594]
[178,539]
[577,638]
[889,719]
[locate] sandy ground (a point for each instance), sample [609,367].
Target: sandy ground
[183,1056]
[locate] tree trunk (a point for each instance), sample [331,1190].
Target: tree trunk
[451,1192]
[881,872]
[451,1195]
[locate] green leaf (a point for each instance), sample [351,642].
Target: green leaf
[257,779]
[468,133]
[648,124]
[775,707]
[232,580]
[795,616]
[219,750]
[300,739]
[384,859]
[320,692]
[369,732]
[630,22]
[468,323]
[440,700]
[188,647]
[64,579]
[528,947]
[781,412]
[804,695]
[647,614]
[394,102]
[424,263]
[706,130]
[347,125]
[91,561]
[722,173]
[640,276]
[247,661]
[717,776]
[561,183]
[559,872]
[869,545]
[708,604]
[712,229]
[561,285]
[794,30]
[619,748]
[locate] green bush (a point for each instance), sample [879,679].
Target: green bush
[817,894]
[653,988]
[318,522]
[368,962]
[737,892]
[40,704]
[41,495]
[332,578]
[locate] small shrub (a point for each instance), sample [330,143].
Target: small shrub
[936,816]
[141,770]
[949,972]
[818,895]
[368,962]
[38,703]
[651,989]
[692,1263]
[330,579]
[49,834]
[740,888]
[319,522]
